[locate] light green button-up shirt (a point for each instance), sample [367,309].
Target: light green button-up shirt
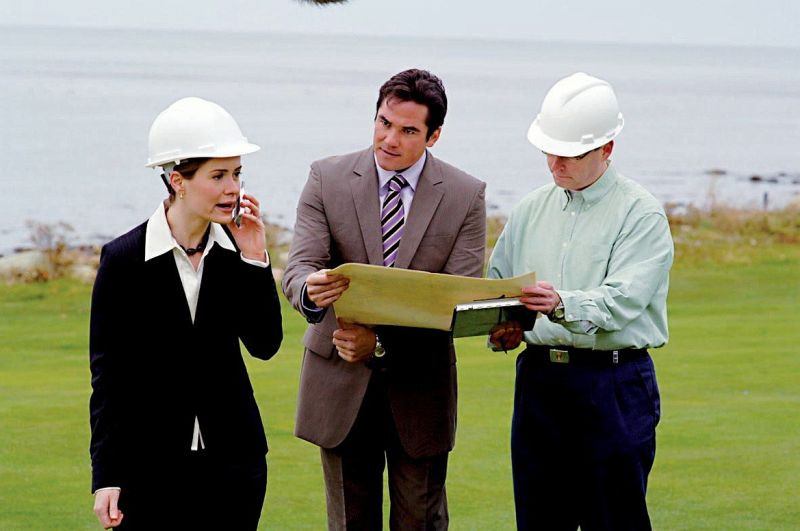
[607,250]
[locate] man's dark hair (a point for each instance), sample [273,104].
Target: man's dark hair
[419,86]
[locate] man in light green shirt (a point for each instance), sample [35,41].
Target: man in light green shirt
[586,399]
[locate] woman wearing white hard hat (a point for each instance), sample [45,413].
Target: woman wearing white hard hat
[177,439]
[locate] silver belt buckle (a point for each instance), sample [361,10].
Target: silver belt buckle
[559,356]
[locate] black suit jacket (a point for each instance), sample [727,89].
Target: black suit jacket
[153,370]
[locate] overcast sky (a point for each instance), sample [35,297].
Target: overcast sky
[723,22]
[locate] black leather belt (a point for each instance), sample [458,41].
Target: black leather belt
[585,356]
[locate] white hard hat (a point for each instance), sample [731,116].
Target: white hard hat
[580,113]
[192,128]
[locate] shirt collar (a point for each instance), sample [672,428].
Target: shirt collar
[410,174]
[158,237]
[596,191]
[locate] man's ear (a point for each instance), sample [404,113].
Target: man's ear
[607,149]
[434,137]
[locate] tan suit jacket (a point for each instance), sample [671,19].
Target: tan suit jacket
[338,221]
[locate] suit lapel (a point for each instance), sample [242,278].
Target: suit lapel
[168,290]
[364,187]
[208,296]
[426,198]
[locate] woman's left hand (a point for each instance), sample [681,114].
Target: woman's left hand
[251,236]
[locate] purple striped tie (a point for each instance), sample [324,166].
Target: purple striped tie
[392,220]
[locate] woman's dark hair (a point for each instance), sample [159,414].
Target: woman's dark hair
[187,169]
[419,86]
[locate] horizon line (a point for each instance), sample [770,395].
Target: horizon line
[453,37]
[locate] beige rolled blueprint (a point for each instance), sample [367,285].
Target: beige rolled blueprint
[404,297]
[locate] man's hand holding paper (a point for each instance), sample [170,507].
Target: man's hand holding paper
[354,342]
[541,297]
[324,289]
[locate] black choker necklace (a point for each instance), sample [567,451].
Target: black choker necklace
[200,246]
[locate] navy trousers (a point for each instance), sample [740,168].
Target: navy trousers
[582,443]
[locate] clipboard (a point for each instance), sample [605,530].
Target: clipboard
[477,318]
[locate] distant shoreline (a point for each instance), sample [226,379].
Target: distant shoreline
[281,230]
[718,235]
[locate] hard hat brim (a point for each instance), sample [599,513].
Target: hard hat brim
[562,148]
[221,153]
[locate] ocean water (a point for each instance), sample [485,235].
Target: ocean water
[703,124]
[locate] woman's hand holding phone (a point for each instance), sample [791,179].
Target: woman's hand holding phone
[250,234]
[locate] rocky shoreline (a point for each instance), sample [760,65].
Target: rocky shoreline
[36,265]
[691,228]
[51,256]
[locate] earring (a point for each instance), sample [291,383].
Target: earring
[181,194]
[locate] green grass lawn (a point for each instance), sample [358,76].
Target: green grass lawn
[728,443]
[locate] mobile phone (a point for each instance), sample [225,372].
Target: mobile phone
[237,213]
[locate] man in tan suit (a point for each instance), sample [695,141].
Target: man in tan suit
[386,395]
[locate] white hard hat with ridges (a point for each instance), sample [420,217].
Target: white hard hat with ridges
[580,113]
[193,128]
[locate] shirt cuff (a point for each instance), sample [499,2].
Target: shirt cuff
[312,312]
[257,263]
[572,316]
